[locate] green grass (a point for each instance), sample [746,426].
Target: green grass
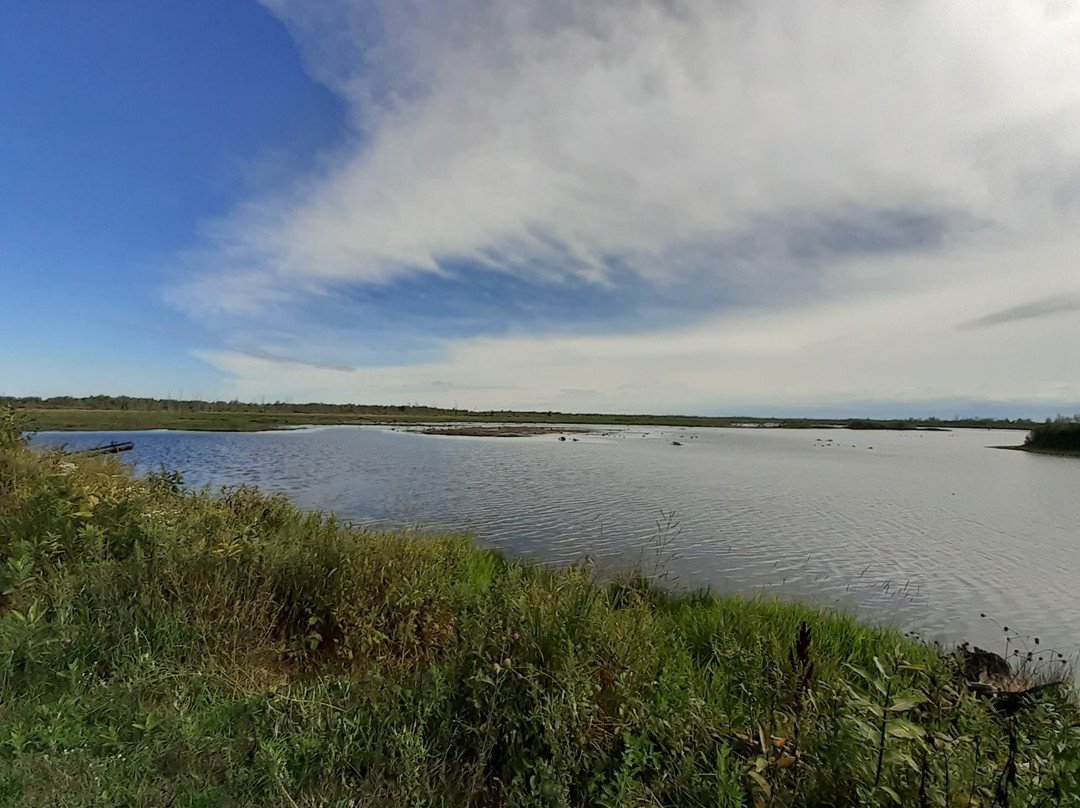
[164,647]
[124,420]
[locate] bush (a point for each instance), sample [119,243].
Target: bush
[1062,433]
[13,424]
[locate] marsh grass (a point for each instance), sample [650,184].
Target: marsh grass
[161,646]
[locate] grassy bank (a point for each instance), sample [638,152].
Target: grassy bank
[160,646]
[113,413]
[1060,436]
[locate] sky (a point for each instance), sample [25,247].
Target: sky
[708,207]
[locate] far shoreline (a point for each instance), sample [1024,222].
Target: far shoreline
[230,417]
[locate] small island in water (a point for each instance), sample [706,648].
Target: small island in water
[1062,435]
[498,431]
[1059,436]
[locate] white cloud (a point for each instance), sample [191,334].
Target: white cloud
[902,347]
[543,138]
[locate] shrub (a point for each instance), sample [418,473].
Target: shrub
[1062,433]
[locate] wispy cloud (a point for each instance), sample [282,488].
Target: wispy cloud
[1045,307]
[284,359]
[689,160]
[548,138]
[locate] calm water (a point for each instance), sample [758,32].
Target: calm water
[924,529]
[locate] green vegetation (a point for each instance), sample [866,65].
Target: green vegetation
[160,646]
[126,413]
[1059,436]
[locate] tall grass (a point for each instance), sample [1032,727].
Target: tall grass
[161,646]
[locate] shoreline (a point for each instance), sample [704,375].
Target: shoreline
[1037,450]
[124,414]
[123,421]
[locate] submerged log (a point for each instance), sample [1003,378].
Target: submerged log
[109,448]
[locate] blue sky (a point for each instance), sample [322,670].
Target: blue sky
[624,206]
[125,127]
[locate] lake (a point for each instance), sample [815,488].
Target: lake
[924,530]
